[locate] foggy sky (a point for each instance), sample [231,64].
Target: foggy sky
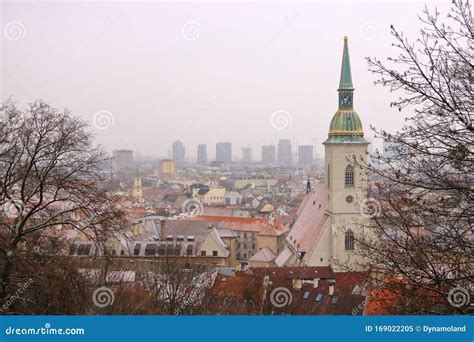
[201,72]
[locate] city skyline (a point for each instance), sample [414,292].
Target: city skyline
[176,96]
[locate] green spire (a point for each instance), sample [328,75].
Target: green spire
[346,126]
[345,82]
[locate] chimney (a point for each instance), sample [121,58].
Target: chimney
[316,283]
[162,230]
[331,288]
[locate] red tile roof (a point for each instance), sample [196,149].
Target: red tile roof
[310,220]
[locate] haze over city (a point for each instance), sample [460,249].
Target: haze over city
[202,72]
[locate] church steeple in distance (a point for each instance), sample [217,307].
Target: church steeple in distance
[345,124]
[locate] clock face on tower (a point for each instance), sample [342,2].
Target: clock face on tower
[346,100]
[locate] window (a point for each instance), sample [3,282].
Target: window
[349,241]
[214,253]
[203,253]
[329,176]
[136,250]
[73,249]
[306,295]
[150,249]
[334,300]
[238,255]
[319,297]
[113,252]
[189,250]
[122,252]
[349,176]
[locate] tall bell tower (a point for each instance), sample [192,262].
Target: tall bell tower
[346,183]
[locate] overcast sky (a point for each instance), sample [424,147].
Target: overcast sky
[146,74]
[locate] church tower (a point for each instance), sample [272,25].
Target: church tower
[137,191]
[346,183]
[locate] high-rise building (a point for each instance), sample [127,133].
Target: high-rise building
[202,154]
[285,157]
[224,152]
[178,153]
[122,161]
[167,169]
[305,155]
[268,154]
[247,155]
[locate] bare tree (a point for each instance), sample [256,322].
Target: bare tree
[179,288]
[50,185]
[423,222]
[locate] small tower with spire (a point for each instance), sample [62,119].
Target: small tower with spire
[308,186]
[137,191]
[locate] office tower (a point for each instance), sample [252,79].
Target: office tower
[202,154]
[268,154]
[285,157]
[224,152]
[247,155]
[122,161]
[305,155]
[178,153]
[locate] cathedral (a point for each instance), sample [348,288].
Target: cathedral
[328,218]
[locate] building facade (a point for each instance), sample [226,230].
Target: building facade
[285,157]
[305,155]
[268,154]
[224,152]
[178,153]
[202,154]
[122,161]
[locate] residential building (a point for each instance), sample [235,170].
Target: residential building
[167,169]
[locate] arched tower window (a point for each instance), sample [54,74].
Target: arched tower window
[349,176]
[349,241]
